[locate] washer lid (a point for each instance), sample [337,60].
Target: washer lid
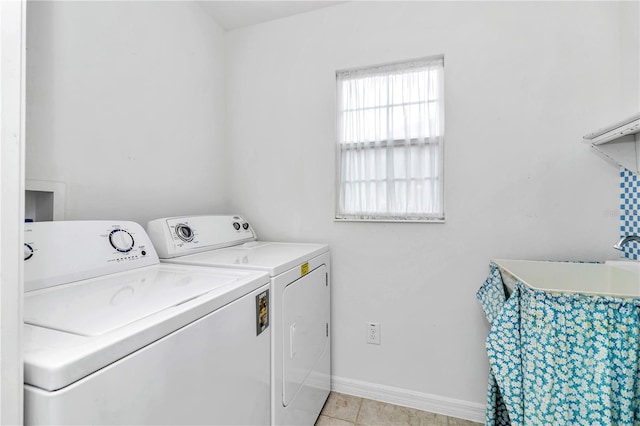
[101,305]
[274,258]
[75,329]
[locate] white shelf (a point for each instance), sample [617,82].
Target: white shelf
[627,127]
[619,143]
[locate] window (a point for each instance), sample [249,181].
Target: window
[390,142]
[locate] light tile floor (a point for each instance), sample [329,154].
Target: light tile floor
[346,410]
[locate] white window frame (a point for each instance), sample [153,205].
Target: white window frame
[423,217]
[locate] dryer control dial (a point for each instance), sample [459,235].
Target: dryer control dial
[28,251]
[184,232]
[121,240]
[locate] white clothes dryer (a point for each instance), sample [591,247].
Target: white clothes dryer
[300,301]
[112,336]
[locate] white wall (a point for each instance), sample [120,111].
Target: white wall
[524,82]
[630,42]
[125,105]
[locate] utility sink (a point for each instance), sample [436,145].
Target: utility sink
[632,265]
[612,278]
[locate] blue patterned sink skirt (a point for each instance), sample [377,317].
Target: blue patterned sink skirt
[561,359]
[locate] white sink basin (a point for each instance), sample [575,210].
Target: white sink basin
[614,278]
[631,265]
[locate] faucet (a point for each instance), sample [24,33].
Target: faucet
[625,240]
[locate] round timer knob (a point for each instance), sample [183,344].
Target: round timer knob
[28,251]
[121,240]
[184,232]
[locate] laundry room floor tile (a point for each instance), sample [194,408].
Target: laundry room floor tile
[331,421]
[342,406]
[346,410]
[380,413]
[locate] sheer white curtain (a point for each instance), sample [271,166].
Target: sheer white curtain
[390,137]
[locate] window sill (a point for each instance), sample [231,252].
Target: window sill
[391,220]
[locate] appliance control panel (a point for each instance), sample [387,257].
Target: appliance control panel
[178,236]
[66,251]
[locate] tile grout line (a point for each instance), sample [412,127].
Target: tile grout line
[338,418]
[355,422]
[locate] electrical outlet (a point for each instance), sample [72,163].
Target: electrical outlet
[373,333]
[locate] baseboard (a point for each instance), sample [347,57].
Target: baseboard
[421,401]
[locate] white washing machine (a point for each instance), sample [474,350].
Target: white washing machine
[112,336]
[300,301]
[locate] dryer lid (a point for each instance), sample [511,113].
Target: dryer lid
[274,258]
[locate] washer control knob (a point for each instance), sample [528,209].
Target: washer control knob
[184,232]
[245,226]
[28,251]
[236,225]
[121,240]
